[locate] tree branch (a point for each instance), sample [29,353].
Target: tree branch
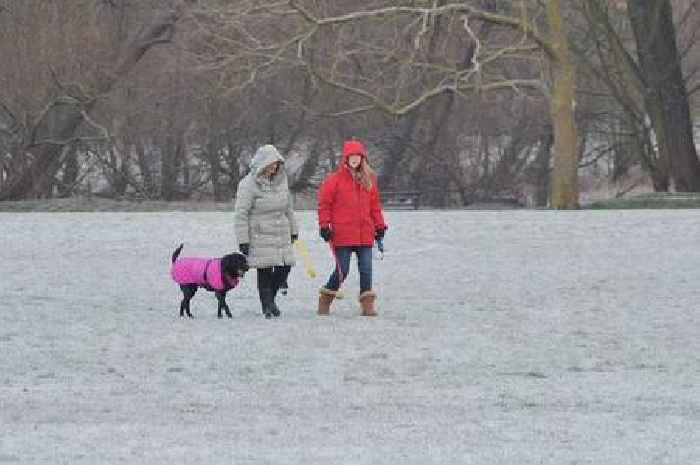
[474,13]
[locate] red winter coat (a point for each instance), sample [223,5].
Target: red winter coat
[353,212]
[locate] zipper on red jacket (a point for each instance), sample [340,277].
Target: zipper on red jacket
[359,207]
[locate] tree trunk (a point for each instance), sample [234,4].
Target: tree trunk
[45,149]
[565,173]
[170,167]
[643,149]
[123,175]
[308,169]
[621,74]
[665,93]
[213,158]
[233,158]
[406,130]
[397,150]
[542,171]
[145,165]
[70,172]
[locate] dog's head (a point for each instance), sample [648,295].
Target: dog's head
[234,265]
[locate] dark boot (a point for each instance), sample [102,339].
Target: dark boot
[274,309]
[266,301]
[266,284]
[279,283]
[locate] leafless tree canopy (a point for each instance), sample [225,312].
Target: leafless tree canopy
[168,99]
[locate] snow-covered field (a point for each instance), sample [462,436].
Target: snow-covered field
[518,337]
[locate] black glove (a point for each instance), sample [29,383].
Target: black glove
[244,248]
[379,234]
[326,233]
[294,238]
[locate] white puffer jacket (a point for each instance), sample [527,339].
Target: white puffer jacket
[264,212]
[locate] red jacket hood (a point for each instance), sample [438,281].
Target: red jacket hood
[353,147]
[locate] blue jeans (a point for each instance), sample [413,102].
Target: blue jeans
[364,266]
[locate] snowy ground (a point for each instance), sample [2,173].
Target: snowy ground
[519,337]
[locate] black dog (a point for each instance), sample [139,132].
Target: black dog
[218,275]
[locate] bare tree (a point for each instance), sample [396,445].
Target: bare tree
[459,100]
[396,57]
[57,123]
[617,89]
[664,89]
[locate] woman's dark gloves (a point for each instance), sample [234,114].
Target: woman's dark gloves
[379,234]
[244,248]
[326,233]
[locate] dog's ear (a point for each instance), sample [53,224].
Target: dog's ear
[242,261]
[228,264]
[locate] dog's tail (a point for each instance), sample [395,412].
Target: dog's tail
[177,252]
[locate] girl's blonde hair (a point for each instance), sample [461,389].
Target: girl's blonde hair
[365,174]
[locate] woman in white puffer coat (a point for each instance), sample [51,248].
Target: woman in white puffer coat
[265,224]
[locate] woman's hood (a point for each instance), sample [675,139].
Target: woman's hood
[264,156]
[353,147]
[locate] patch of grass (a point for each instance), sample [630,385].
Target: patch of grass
[95,204]
[656,200]
[98,204]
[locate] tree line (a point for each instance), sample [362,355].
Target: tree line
[168,99]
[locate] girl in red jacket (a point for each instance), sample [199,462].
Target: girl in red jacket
[350,219]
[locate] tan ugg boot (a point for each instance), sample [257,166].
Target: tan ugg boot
[367,299]
[325,299]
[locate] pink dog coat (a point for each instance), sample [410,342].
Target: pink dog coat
[205,272]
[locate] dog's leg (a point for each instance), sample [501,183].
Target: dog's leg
[188,291]
[184,304]
[221,297]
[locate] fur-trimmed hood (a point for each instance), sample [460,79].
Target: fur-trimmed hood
[265,156]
